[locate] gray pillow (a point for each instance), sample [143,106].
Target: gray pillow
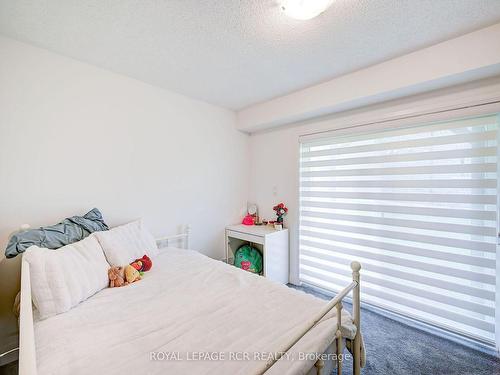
[69,230]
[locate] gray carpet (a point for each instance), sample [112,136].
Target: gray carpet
[395,348]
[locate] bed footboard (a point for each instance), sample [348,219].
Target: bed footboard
[336,303]
[356,311]
[356,317]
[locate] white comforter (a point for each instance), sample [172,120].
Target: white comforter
[188,307]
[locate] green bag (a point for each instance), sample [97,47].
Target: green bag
[248,258]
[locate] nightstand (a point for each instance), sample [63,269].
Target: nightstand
[273,244]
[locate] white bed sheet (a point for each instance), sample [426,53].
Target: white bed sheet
[187,305]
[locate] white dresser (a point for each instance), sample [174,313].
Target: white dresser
[272,243]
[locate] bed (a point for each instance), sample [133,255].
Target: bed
[192,315]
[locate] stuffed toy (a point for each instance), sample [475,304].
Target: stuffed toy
[131,274]
[142,264]
[120,276]
[248,220]
[116,277]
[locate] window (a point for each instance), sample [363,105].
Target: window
[418,208]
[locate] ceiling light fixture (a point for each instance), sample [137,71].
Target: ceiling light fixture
[304,9]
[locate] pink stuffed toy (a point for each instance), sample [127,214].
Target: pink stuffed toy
[248,220]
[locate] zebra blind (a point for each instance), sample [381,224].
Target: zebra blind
[418,208]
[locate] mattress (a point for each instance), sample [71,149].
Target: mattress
[189,314]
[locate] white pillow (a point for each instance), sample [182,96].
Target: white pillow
[62,278]
[126,243]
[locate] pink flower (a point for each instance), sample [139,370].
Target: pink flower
[280,209]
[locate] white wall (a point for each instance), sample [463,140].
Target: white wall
[275,153]
[74,137]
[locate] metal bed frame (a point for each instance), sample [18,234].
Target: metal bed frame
[27,351]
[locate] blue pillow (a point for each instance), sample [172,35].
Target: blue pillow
[69,230]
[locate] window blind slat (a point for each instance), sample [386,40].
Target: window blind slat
[424,211]
[479,230]
[428,170]
[376,267]
[451,198]
[429,308]
[434,184]
[404,236]
[394,259]
[420,292]
[433,155]
[474,140]
[472,260]
[416,206]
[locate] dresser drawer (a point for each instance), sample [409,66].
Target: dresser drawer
[245,236]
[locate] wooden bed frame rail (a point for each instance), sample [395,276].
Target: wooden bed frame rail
[27,351]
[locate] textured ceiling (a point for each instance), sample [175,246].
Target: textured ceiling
[235,53]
